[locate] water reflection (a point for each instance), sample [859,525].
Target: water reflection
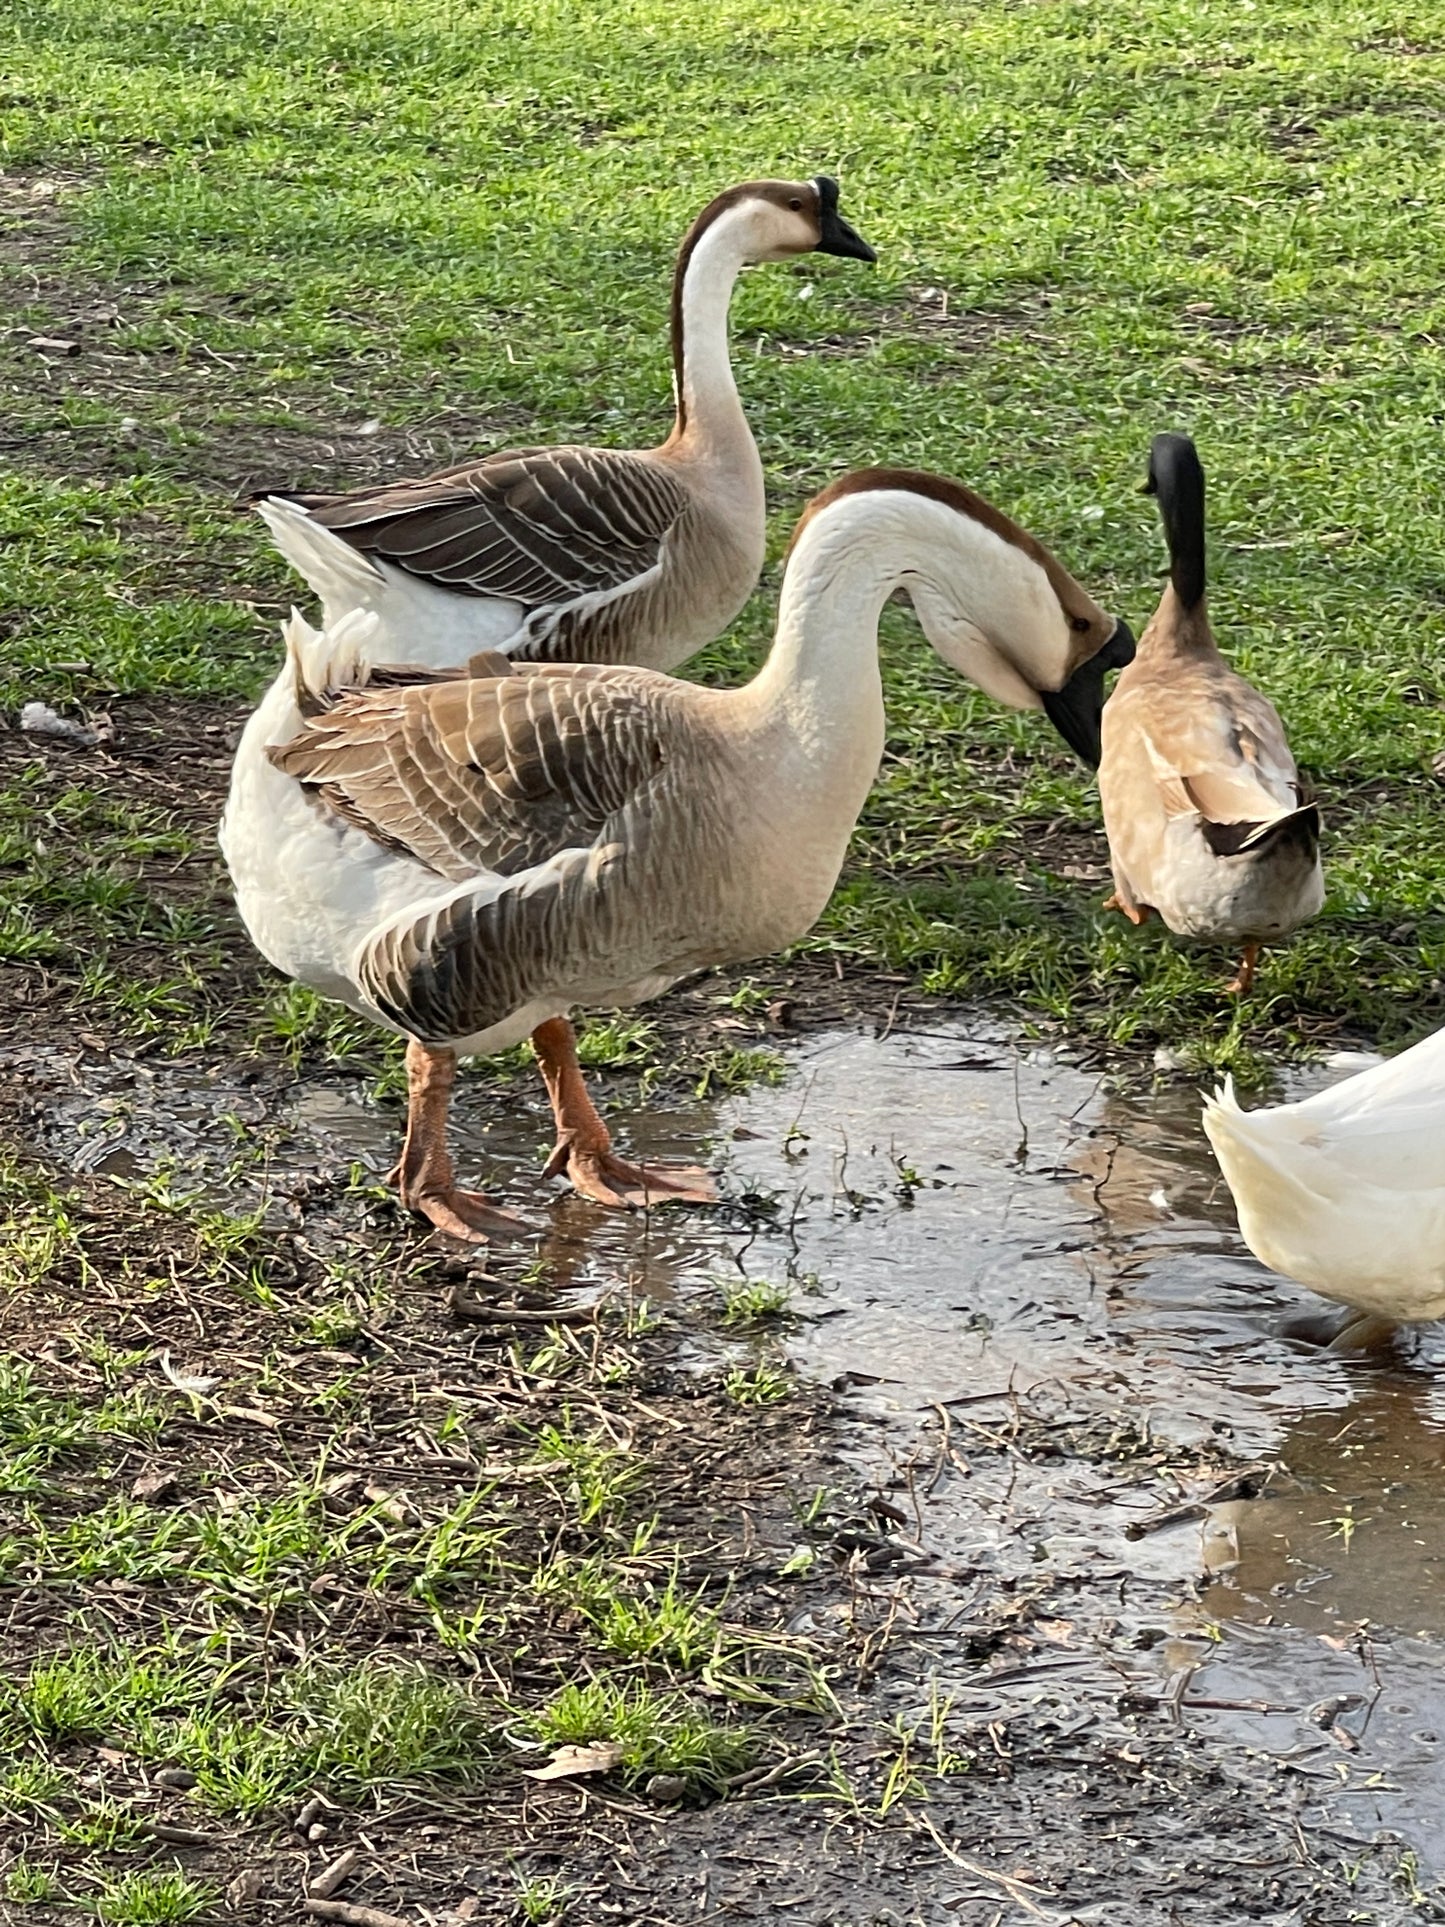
[1352,1530]
[962,1219]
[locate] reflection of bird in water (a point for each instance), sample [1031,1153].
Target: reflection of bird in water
[1345,1192]
[1146,1166]
[1363,1502]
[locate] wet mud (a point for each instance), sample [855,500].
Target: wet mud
[1121,1501]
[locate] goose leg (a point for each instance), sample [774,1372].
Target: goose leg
[583,1152]
[425,1177]
[1240,986]
[1364,1332]
[1341,1331]
[1133,912]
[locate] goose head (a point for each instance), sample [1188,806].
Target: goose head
[993,601]
[775,220]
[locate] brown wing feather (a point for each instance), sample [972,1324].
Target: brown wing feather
[537,525]
[492,774]
[1218,749]
[458,970]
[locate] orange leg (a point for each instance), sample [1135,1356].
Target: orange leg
[1135,913]
[583,1151]
[1242,982]
[424,1177]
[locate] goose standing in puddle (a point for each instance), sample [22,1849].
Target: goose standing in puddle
[463,858]
[1207,822]
[574,554]
[1345,1191]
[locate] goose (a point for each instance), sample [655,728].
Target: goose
[1345,1191]
[464,857]
[1206,819]
[573,554]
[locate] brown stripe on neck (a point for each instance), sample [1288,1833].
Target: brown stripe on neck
[730,198]
[1073,599]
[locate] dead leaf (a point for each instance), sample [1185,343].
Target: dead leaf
[248,1885]
[568,1762]
[252,1416]
[391,1503]
[155,1488]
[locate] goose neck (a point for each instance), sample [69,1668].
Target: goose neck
[1178,630]
[824,660]
[709,413]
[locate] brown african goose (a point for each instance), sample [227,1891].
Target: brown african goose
[464,858]
[1203,807]
[581,554]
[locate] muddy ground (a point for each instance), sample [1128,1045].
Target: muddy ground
[1019,1529]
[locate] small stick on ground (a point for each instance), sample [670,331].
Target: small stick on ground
[352,1916]
[334,1876]
[465,1304]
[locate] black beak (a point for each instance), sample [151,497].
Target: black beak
[835,236]
[1076,710]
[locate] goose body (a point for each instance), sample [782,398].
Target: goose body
[1207,822]
[464,858]
[1345,1192]
[574,554]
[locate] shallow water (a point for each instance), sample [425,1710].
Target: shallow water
[965,1224]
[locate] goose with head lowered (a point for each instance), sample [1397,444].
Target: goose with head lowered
[1207,821]
[466,857]
[573,554]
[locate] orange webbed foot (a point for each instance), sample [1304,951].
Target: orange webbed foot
[1133,912]
[465,1214]
[605,1178]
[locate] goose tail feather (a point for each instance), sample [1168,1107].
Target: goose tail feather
[327,661]
[340,575]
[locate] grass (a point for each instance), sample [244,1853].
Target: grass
[751,1302]
[658,1732]
[763,1384]
[1192,219]
[154,1900]
[400,1546]
[294,1626]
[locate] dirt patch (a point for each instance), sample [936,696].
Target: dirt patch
[922,1625]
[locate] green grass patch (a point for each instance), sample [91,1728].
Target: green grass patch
[659,1732]
[1090,227]
[146,1899]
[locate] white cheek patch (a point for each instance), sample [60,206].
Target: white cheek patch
[967,649]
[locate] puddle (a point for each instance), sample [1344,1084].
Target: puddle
[964,1224]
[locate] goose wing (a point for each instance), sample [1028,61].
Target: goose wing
[494,773]
[534,525]
[1386,1125]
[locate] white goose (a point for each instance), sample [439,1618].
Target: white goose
[465,858]
[575,554]
[1345,1192]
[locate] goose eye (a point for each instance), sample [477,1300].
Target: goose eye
[1079,624]
[795,203]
